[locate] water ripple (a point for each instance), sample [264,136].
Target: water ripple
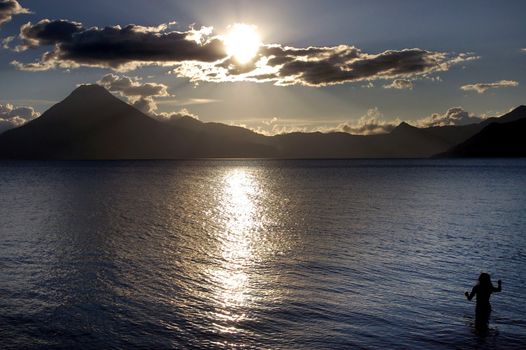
[259,254]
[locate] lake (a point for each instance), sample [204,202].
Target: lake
[263,254]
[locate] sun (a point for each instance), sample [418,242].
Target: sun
[242,42]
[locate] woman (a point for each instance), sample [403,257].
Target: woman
[483,291]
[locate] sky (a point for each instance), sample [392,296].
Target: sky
[333,65]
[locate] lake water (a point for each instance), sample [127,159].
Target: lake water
[260,254]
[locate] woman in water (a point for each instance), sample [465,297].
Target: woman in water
[483,291]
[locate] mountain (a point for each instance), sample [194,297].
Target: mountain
[217,129]
[91,123]
[498,137]
[404,141]
[454,134]
[495,140]
[514,115]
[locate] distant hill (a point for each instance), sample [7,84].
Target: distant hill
[455,134]
[512,116]
[404,141]
[91,123]
[495,140]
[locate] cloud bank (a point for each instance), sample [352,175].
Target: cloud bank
[200,56]
[372,123]
[483,87]
[119,48]
[10,8]
[11,116]
[323,66]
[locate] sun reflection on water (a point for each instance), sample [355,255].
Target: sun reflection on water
[240,229]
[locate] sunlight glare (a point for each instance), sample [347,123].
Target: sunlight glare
[240,213]
[242,42]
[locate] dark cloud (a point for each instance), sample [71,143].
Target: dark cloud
[324,66]
[9,8]
[483,87]
[11,117]
[48,32]
[400,84]
[120,48]
[349,64]
[338,68]
[453,116]
[200,56]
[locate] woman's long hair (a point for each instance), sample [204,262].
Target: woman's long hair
[485,281]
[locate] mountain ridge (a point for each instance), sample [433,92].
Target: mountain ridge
[91,123]
[502,140]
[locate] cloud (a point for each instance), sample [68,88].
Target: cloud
[140,95]
[183,113]
[186,101]
[272,121]
[400,84]
[130,87]
[323,66]
[275,129]
[145,104]
[372,123]
[11,116]
[47,32]
[6,41]
[279,129]
[453,116]
[523,50]
[199,55]
[369,124]
[119,48]
[10,8]
[276,126]
[483,87]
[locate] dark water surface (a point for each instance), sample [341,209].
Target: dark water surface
[260,254]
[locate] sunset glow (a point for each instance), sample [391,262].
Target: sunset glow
[242,42]
[244,174]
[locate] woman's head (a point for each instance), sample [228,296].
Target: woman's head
[485,279]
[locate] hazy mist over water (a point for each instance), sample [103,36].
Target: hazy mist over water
[260,254]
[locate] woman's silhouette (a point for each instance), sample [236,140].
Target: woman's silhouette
[483,291]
